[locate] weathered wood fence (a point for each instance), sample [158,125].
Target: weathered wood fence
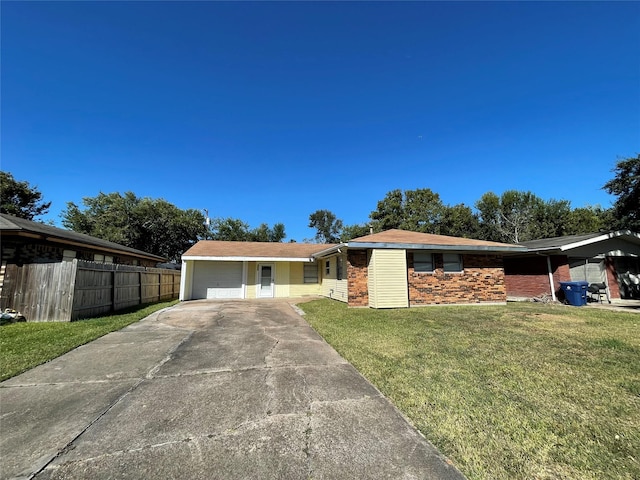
[76,289]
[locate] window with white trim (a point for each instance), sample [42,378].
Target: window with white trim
[310,273]
[327,267]
[422,262]
[452,262]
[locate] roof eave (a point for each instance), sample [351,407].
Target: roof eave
[329,251]
[421,246]
[244,258]
[87,245]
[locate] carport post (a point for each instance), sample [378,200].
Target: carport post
[551,284]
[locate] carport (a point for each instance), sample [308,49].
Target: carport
[612,258]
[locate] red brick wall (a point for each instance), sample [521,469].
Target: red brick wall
[357,278]
[481,281]
[612,279]
[529,276]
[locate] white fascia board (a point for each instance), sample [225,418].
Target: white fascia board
[600,238]
[329,251]
[246,259]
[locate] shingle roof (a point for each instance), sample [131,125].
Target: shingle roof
[405,237]
[574,241]
[217,248]
[10,224]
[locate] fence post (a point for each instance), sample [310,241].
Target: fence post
[113,289]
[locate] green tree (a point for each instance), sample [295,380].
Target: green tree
[264,233]
[20,199]
[350,232]
[419,210]
[389,212]
[234,229]
[510,217]
[459,221]
[422,211]
[550,219]
[151,225]
[588,219]
[327,226]
[626,187]
[229,229]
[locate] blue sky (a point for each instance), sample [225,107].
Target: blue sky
[269,111]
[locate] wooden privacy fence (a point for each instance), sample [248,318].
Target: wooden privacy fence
[76,289]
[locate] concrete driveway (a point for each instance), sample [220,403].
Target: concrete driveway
[208,390]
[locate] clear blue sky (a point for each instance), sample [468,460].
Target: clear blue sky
[269,111]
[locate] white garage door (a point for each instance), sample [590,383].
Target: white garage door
[217,280]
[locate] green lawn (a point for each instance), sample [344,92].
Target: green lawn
[25,345]
[523,391]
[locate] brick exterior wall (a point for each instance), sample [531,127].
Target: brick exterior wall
[21,251]
[612,278]
[482,280]
[357,278]
[529,276]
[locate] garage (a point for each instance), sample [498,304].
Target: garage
[217,280]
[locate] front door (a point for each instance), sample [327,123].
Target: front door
[265,280]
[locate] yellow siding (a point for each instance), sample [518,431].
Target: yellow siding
[282,279]
[331,286]
[388,287]
[296,281]
[250,289]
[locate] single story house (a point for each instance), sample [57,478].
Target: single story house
[52,274]
[25,241]
[395,268]
[612,258]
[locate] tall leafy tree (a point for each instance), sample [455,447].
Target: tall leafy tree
[422,211]
[588,219]
[327,225]
[354,231]
[234,229]
[151,225]
[459,221]
[20,199]
[550,219]
[510,217]
[419,210]
[626,187]
[264,233]
[389,212]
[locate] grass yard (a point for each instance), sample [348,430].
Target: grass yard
[28,344]
[523,391]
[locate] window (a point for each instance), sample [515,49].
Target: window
[422,262]
[452,262]
[339,268]
[108,259]
[327,267]
[310,273]
[98,258]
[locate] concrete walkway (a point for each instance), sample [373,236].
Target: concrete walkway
[208,390]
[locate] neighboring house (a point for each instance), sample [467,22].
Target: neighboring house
[611,258]
[51,274]
[396,268]
[24,241]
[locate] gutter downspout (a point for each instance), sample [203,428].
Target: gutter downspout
[551,284]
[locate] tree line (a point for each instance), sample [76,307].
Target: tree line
[159,227]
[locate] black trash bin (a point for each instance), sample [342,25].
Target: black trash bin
[575,292]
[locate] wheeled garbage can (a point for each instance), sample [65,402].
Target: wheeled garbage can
[575,293]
